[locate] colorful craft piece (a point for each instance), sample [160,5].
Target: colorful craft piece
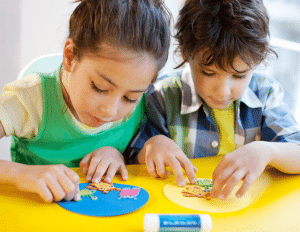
[107,204]
[88,193]
[201,189]
[193,191]
[103,187]
[129,193]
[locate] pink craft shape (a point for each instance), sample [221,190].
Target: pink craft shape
[129,193]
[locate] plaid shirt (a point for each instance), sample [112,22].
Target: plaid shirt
[176,110]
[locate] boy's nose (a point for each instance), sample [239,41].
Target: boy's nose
[223,89]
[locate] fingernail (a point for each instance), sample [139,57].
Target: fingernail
[84,171]
[181,184]
[238,195]
[77,197]
[125,177]
[194,180]
[222,197]
[107,179]
[96,180]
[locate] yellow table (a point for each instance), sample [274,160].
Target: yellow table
[276,206]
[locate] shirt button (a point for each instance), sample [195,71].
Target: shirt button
[214,144]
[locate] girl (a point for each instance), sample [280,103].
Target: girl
[87,110]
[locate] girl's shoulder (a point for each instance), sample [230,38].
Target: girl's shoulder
[25,87]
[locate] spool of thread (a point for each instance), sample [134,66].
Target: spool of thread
[177,222]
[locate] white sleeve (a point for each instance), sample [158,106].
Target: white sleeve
[21,107]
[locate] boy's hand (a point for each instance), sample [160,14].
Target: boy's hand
[160,152]
[51,182]
[245,163]
[103,160]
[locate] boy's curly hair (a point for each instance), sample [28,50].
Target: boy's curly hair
[221,30]
[136,25]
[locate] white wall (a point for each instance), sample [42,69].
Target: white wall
[10,24]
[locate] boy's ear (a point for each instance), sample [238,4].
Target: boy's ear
[68,56]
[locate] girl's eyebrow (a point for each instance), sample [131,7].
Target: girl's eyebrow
[109,80]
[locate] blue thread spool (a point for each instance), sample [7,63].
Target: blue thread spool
[177,222]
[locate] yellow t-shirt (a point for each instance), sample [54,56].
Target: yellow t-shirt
[224,120]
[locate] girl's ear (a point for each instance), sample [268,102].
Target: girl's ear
[182,55]
[68,56]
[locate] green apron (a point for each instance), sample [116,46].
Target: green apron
[59,140]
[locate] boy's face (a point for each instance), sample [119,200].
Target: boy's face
[219,88]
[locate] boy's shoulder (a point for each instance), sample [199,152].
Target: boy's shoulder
[261,83]
[169,80]
[261,89]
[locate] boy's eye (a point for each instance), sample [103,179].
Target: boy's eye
[94,87]
[207,74]
[239,76]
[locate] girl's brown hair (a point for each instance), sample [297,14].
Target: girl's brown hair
[221,30]
[136,25]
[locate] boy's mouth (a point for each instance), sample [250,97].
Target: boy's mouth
[220,103]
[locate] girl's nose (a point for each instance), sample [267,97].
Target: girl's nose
[109,109]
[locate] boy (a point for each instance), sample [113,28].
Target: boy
[217,105]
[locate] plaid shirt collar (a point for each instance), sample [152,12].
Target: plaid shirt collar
[191,101]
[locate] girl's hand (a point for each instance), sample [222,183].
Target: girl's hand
[103,160]
[51,182]
[245,163]
[160,152]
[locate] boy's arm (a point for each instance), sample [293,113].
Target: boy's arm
[279,146]
[154,124]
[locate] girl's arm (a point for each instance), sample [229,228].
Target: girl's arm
[51,182]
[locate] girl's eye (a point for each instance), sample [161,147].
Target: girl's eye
[94,87]
[130,100]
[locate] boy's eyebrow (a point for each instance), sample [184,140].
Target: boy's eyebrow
[235,73]
[108,80]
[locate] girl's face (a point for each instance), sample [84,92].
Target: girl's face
[106,88]
[219,88]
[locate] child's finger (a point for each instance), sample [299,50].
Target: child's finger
[123,171]
[161,170]
[189,170]
[151,168]
[111,172]
[56,189]
[177,170]
[231,183]
[77,196]
[220,168]
[84,163]
[92,168]
[45,193]
[99,172]
[220,180]
[70,184]
[195,169]
[245,186]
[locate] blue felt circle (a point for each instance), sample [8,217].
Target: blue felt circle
[107,204]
